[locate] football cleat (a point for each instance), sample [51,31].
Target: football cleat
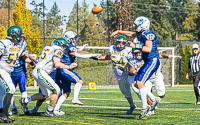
[154,103]
[23,105]
[76,101]
[143,112]
[34,110]
[131,109]
[13,111]
[58,112]
[50,114]
[7,119]
[197,103]
[150,113]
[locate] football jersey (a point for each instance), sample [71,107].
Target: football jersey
[120,59]
[10,54]
[45,61]
[67,59]
[142,38]
[136,63]
[20,66]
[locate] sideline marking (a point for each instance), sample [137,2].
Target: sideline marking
[42,119]
[94,118]
[176,116]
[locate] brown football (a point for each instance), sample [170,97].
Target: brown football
[96,9]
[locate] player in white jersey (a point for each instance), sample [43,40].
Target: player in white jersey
[11,49]
[119,54]
[49,58]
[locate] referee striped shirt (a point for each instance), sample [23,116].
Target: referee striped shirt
[194,63]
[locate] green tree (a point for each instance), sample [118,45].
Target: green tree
[37,15]
[185,53]
[4,3]
[89,28]
[53,22]
[22,17]
[189,24]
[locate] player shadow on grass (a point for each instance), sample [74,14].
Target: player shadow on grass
[118,113]
[34,114]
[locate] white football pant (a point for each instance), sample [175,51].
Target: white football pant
[45,82]
[6,84]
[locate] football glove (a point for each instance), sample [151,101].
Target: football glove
[122,69]
[95,56]
[85,45]
[73,66]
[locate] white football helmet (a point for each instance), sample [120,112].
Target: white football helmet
[71,37]
[141,24]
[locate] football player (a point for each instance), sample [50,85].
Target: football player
[53,76]
[67,76]
[148,45]
[49,58]
[11,49]
[19,75]
[119,54]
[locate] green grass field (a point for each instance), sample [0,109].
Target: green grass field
[107,106]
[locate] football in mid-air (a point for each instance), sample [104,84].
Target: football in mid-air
[96,9]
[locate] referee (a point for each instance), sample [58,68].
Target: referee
[194,66]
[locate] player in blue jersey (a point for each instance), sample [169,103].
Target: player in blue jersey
[68,76]
[148,45]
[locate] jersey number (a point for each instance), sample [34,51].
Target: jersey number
[10,58]
[44,55]
[121,61]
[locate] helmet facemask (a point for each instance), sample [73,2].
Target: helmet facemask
[138,54]
[120,42]
[15,33]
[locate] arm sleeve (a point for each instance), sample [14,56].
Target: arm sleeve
[83,56]
[189,65]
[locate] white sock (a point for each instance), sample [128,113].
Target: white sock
[60,101]
[24,95]
[29,98]
[77,89]
[151,96]
[50,108]
[13,102]
[143,94]
[130,101]
[1,103]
